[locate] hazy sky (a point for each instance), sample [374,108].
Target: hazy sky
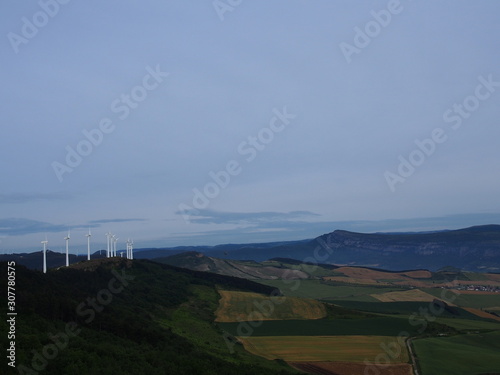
[204,122]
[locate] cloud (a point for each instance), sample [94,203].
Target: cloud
[419,224]
[19,198]
[246,218]
[106,221]
[19,227]
[273,226]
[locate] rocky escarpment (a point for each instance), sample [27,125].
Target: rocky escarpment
[471,248]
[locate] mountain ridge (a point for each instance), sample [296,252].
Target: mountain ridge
[475,248]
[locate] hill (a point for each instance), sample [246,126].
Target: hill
[244,269]
[279,269]
[54,259]
[113,316]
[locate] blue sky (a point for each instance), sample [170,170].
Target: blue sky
[203,122]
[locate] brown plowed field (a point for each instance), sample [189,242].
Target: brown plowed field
[414,295]
[494,276]
[364,273]
[482,314]
[353,280]
[351,349]
[346,368]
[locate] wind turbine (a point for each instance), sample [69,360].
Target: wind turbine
[88,244]
[45,254]
[67,249]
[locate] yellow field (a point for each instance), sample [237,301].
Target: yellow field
[414,295]
[324,348]
[242,306]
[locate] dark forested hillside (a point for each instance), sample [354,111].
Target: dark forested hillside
[114,316]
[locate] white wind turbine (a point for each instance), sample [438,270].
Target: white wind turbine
[67,249]
[88,244]
[45,254]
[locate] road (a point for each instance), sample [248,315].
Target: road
[412,356]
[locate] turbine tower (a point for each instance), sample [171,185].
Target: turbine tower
[109,235]
[88,244]
[128,248]
[45,254]
[67,249]
[112,242]
[115,240]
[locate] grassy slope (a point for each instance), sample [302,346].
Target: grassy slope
[240,306]
[459,355]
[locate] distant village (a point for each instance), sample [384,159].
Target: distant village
[478,288]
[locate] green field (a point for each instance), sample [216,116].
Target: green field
[318,289]
[459,355]
[315,271]
[379,326]
[469,300]
[324,348]
[405,308]
[469,324]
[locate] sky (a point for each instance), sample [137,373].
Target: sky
[232,121]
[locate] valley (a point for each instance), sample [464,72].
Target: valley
[191,312]
[373,319]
